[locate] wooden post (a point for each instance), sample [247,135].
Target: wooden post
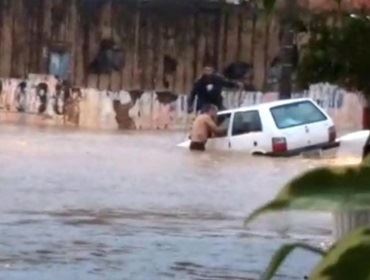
[266,52]
[134,80]
[285,85]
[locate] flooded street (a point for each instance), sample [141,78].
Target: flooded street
[83,205]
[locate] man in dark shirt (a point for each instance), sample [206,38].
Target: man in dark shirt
[208,89]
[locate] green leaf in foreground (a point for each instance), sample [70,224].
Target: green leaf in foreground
[280,256]
[349,259]
[323,189]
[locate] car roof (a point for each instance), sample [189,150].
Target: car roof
[266,105]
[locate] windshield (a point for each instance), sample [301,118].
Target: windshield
[296,114]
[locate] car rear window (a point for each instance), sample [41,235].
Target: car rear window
[296,114]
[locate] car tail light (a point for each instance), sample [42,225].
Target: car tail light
[279,145]
[332,134]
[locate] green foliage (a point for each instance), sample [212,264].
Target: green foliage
[280,256]
[338,53]
[327,189]
[324,189]
[347,259]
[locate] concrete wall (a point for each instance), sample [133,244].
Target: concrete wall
[96,109]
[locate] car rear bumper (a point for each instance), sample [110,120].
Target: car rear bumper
[295,152]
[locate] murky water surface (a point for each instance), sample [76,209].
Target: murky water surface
[82,205]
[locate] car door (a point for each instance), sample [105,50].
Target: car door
[221,142]
[246,131]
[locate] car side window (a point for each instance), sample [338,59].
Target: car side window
[223,121]
[246,122]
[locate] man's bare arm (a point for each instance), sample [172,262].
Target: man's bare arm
[219,131]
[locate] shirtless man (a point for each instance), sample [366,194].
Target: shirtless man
[204,127]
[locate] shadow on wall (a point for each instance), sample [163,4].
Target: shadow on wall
[110,58]
[123,118]
[71,108]
[237,70]
[122,110]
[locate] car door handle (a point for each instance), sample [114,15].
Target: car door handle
[307,129]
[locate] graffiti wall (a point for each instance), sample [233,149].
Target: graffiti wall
[44,100]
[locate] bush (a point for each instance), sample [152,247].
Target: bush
[338,53]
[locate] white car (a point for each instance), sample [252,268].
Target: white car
[278,128]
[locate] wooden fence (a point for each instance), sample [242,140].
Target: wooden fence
[155,47]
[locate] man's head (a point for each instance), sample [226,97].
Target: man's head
[208,70]
[211,110]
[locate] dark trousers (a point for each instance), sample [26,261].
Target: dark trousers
[197,146]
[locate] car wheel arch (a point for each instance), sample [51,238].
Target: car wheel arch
[258,152]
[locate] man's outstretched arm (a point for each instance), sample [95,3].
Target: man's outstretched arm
[219,131]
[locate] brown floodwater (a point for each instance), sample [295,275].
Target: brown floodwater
[86,205]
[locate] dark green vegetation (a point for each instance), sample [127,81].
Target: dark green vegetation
[328,189]
[338,53]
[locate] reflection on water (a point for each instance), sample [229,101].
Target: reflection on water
[79,205]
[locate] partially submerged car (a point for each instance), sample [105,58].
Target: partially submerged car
[279,128]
